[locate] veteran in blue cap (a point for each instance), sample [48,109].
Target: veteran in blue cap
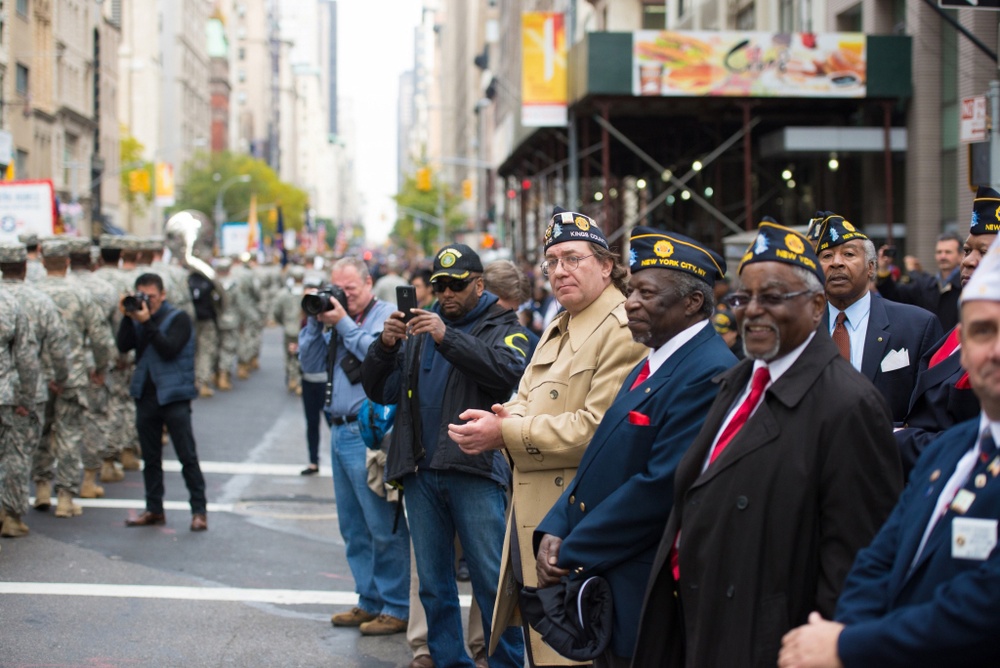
[795,458]
[609,521]
[882,339]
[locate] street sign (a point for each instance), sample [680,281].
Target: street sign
[972,123]
[993,5]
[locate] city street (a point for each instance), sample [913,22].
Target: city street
[257,589]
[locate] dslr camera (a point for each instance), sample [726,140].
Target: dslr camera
[322,300]
[134,302]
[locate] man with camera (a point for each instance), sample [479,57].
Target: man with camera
[344,319]
[163,387]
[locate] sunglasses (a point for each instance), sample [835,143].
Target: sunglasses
[453,285]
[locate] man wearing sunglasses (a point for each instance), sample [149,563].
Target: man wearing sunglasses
[434,363]
[794,471]
[581,361]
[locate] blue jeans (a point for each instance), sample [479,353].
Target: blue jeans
[439,503]
[379,559]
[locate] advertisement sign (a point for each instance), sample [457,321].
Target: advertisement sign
[748,64]
[26,207]
[164,184]
[234,238]
[972,123]
[543,69]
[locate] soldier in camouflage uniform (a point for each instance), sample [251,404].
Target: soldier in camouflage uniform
[129,270]
[62,440]
[99,451]
[35,270]
[228,323]
[174,276]
[49,335]
[288,314]
[248,300]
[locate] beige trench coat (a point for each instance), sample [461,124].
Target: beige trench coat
[577,369]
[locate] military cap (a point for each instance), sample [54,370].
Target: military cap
[29,239]
[569,226]
[153,243]
[985,212]
[55,247]
[13,252]
[297,272]
[456,261]
[130,243]
[834,231]
[985,282]
[724,322]
[111,241]
[667,250]
[95,254]
[78,246]
[224,264]
[777,243]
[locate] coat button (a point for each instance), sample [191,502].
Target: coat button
[572,499]
[742,502]
[559,481]
[554,394]
[583,507]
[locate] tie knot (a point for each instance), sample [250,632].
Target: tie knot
[841,318]
[761,377]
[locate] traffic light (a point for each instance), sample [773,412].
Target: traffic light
[467,188]
[424,179]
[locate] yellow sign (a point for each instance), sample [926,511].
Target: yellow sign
[164,184]
[543,69]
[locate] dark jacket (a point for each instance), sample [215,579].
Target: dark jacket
[487,363]
[923,291]
[770,529]
[164,347]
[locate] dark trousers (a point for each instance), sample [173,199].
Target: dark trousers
[313,395]
[150,417]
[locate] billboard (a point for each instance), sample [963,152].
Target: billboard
[748,64]
[543,69]
[27,207]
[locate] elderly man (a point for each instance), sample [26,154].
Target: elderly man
[793,471]
[609,520]
[335,341]
[926,592]
[467,349]
[578,367]
[883,340]
[943,396]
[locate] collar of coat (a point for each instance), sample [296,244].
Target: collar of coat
[611,303]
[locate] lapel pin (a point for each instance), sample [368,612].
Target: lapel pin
[935,475]
[980,481]
[880,339]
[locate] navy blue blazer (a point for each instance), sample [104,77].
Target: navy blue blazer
[936,405]
[943,612]
[892,326]
[611,517]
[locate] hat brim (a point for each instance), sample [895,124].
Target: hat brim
[445,274]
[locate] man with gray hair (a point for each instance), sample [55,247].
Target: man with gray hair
[884,340]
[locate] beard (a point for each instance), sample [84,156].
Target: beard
[767,355]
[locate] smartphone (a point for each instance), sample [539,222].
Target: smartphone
[406,298]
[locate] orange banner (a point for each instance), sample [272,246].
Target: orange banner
[543,69]
[164,184]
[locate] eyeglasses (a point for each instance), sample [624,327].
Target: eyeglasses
[766,300]
[569,263]
[453,285]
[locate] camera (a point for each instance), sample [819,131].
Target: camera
[134,302]
[322,300]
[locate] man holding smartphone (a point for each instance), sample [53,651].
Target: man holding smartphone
[465,350]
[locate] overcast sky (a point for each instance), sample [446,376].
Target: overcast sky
[376,46]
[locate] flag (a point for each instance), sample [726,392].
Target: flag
[279,238]
[252,240]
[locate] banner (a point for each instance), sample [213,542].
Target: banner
[164,178]
[748,64]
[543,69]
[253,239]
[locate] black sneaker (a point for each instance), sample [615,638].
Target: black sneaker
[311,470]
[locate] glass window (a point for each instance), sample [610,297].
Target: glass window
[21,164]
[22,79]
[745,18]
[22,7]
[654,16]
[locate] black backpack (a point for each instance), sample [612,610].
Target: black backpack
[203,295]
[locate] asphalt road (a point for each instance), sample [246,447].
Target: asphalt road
[256,589]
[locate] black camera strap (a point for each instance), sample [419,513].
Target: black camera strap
[331,352]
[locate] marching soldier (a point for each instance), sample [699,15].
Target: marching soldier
[288,314]
[228,323]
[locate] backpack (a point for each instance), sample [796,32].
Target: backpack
[374,422]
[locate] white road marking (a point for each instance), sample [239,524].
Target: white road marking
[246,468]
[226,594]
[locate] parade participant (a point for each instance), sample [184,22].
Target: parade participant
[90,353]
[610,519]
[335,340]
[130,270]
[938,294]
[36,271]
[580,363]
[942,396]
[793,471]
[163,387]
[884,340]
[926,592]
[436,363]
[228,323]
[46,342]
[288,314]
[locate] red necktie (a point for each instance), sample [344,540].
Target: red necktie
[946,349]
[643,375]
[841,337]
[761,377]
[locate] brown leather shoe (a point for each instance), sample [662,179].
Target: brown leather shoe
[383,625]
[147,519]
[355,617]
[422,661]
[199,522]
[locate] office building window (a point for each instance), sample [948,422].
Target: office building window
[22,79]
[21,164]
[22,7]
[745,18]
[654,15]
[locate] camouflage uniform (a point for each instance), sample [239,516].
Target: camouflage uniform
[228,323]
[288,314]
[19,369]
[248,299]
[63,436]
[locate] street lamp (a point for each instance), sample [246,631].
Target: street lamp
[220,211]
